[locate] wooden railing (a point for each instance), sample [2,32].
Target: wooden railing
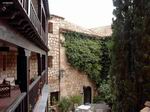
[43,79]
[34,19]
[19,105]
[24,4]
[35,90]
[44,36]
[33,16]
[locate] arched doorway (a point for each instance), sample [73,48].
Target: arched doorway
[87,94]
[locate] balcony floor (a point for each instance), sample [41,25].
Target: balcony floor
[7,101]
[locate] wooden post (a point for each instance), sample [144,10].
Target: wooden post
[23,71]
[39,9]
[39,56]
[43,62]
[46,68]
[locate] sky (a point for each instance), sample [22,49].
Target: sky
[86,13]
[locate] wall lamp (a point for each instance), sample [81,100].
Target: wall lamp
[61,73]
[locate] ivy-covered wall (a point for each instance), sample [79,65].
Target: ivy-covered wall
[73,81]
[91,55]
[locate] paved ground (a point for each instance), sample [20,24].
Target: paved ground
[102,107]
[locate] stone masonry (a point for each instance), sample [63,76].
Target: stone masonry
[11,64]
[53,44]
[71,81]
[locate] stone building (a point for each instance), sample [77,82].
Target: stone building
[63,79]
[23,55]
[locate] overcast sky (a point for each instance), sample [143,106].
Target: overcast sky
[86,13]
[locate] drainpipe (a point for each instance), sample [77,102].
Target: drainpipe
[59,62]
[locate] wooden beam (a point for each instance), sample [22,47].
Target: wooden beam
[30,34]
[39,56]
[28,30]
[14,15]
[23,71]
[18,22]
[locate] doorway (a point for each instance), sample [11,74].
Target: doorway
[87,94]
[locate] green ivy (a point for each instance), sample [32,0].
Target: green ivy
[91,55]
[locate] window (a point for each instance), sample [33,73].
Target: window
[50,61]
[50,27]
[54,97]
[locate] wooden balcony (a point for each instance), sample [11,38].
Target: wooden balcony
[35,89]
[22,16]
[19,104]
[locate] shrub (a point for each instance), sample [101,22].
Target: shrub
[76,99]
[97,99]
[64,104]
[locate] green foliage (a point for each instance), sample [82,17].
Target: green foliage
[83,54]
[64,104]
[130,55]
[92,56]
[76,99]
[97,99]
[105,92]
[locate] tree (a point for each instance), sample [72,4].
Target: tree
[130,54]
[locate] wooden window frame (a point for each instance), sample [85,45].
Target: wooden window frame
[50,61]
[50,27]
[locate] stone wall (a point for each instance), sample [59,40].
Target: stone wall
[71,81]
[53,44]
[33,66]
[102,31]
[11,64]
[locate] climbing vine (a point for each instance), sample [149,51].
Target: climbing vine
[90,55]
